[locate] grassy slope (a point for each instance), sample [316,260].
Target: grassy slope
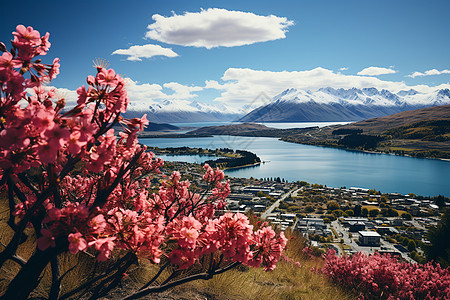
[379,125]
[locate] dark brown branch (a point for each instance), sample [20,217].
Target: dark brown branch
[164,287]
[115,278]
[55,289]
[28,184]
[91,282]
[102,195]
[155,277]
[28,277]
[11,202]
[11,249]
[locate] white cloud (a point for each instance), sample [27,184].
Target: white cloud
[242,86]
[144,94]
[429,73]
[343,69]
[375,71]
[213,84]
[182,91]
[135,53]
[217,27]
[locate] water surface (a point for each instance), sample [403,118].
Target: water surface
[329,166]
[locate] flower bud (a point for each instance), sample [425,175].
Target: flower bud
[61,103]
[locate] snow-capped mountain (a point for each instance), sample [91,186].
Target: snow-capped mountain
[295,105]
[329,104]
[178,111]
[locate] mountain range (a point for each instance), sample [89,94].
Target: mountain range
[328,104]
[293,105]
[183,111]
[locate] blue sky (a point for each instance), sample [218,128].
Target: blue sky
[243,47]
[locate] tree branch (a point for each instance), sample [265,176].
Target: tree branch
[156,276]
[56,279]
[164,287]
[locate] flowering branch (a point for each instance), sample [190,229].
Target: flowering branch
[84,188]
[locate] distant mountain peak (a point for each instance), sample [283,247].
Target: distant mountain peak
[331,104]
[444,93]
[411,92]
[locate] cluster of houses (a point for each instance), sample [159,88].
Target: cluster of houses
[413,206]
[313,226]
[283,221]
[256,198]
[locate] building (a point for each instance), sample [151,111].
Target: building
[356,226]
[346,221]
[255,189]
[369,238]
[386,230]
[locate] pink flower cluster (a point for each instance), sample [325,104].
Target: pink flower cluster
[384,277]
[35,131]
[107,204]
[232,234]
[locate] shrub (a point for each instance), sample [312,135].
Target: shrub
[384,277]
[374,212]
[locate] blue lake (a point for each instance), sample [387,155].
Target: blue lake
[327,166]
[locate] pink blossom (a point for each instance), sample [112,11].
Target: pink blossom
[47,152]
[104,180]
[6,61]
[46,240]
[56,135]
[107,77]
[97,224]
[76,243]
[54,70]
[27,35]
[104,246]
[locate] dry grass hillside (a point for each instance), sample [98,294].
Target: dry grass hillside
[381,124]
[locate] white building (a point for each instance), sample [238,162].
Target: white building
[369,238]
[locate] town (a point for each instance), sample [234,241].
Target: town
[348,220]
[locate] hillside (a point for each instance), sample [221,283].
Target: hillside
[381,124]
[233,129]
[421,133]
[160,127]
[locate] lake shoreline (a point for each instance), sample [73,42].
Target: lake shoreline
[295,161]
[365,151]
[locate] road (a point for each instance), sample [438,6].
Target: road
[277,203]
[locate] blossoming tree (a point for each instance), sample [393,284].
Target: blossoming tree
[384,277]
[77,186]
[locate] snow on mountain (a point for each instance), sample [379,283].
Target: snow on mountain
[329,104]
[294,105]
[371,96]
[174,111]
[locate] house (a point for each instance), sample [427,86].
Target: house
[346,221]
[255,189]
[356,226]
[369,238]
[288,216]
[259,208]
[387,230]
